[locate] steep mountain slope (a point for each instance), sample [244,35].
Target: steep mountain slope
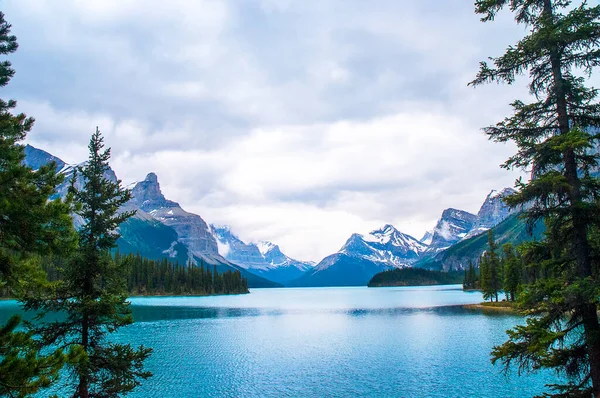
[193,235]
[169,232]
[362,256]
[452,227]
[385,245]
[457,257]
[492,212]
[340,269]
[264,259]
[36,158]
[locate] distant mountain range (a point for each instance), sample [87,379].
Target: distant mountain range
[362,256]
[365,255]
[263,258]
[162,229]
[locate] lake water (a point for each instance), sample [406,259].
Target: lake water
[323,342]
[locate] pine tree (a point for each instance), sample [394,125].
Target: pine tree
[472,275]
[554,135]
[512,272]
[490,270]
[30,225]
[92,292]
[485,277]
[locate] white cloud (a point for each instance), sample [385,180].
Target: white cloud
[295,122]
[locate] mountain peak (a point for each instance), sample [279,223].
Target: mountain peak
[452,227]
[387,229]
[264,247]
[152,178]
[148,196]
[36,158]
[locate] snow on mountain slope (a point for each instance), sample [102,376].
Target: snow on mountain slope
[452,227]
[362,256]
[492,212]
[263,258]
[385,245]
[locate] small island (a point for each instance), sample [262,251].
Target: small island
[414,277]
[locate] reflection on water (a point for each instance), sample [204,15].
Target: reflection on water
[335,342]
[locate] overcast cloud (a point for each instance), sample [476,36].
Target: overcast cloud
[298,122]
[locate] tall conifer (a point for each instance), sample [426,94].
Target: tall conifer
[30,225]
[555,134]
[92,293]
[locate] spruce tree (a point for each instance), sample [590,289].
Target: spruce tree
[490,270]
[472,275]
[512,271]
[30,225]
[554,134]
[485,283]
[92,293]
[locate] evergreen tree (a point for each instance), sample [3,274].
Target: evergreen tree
[30,224]
[484,277]
[472,275]
[470,279]
[554,135]
[512,272]
[491,270]
[92,293]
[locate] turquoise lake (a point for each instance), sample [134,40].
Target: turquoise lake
[323,342]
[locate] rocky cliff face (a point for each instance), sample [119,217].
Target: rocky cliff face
[453,226]
[492,212]
[192,230]
[263,258]
[362,256]
[36,158]
[386,244]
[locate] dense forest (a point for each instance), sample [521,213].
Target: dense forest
[414,277]
[164,277]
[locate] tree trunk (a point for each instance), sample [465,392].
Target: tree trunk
[580,241]
[82,389]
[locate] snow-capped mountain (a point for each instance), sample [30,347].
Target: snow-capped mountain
[263,258]
[191,229]
[36,158]
[386,245]
[492,212]
[160,228]
[452,227]
[427,237]
[362,256]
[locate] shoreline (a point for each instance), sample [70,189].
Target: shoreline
[492,308]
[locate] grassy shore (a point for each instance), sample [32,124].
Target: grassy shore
[501,306]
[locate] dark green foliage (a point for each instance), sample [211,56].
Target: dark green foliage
[512,271]
[23,370]
[512,230]
[30,224]
[555,135]
[150,238]
[414,277]
[92,292]
[491,270]
[471,279]
[162,277]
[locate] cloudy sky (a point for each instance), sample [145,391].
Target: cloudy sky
[294,121]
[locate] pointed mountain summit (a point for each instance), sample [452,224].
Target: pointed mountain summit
[362,256]
[386,244]
[148,196]
[452,227]
[492,212]
[160,228]
[192,230]
[36,158]
[264,259]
